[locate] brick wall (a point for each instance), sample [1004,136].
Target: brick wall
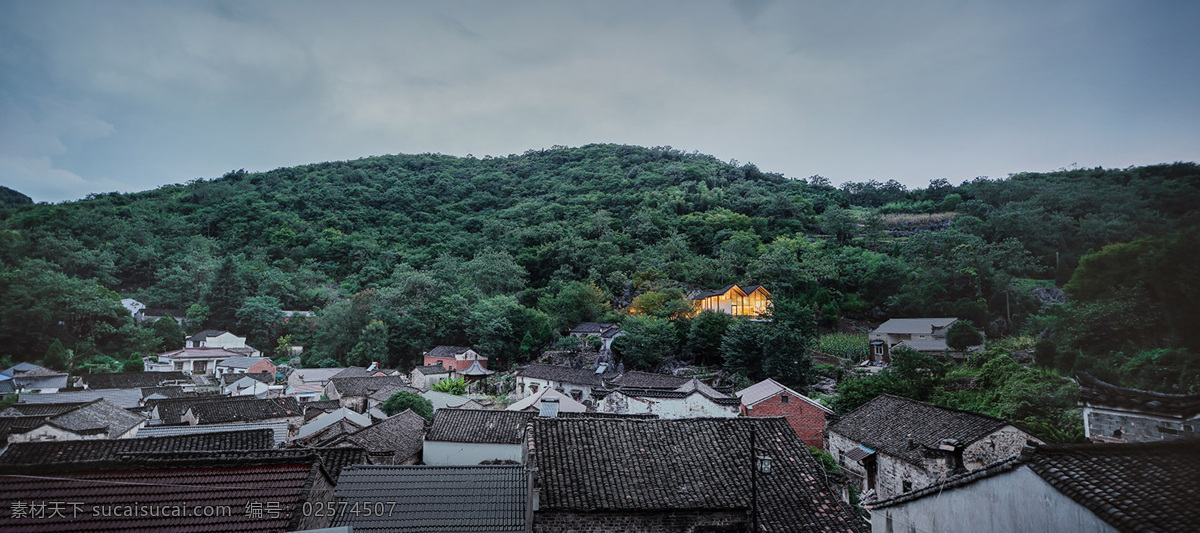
[634,522]
[806,419]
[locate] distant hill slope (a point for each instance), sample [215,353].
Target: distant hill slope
[10,198]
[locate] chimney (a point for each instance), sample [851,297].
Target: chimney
[549,408]
[956,455]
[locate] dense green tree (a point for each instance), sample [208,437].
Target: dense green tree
[56,356]
[260,319]
[372,345]
[403,400]
[168,335]
[761,350]
[455,386]
[962,335]
[706,335]
[646,342]
[576,302]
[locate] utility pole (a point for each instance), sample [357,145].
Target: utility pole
[753,481]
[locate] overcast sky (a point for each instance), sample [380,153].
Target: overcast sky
[127,96]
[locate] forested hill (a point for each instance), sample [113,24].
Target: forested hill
[399,253]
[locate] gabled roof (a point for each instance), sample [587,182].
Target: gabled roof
[1149,486]
[1096,393]
[170,410]
[448,351]
[592,328]
[565,374]
[173,391]
[402,435]
[708,293]
[125,398]
[443,400]
[229,378]
[242,362]
[244,411]
[318,375]
[206,334]
[71,451]
[34,381]
[925,345]
[207,352]
[38,409]
[332,459]
[648,380]
[436,498]
[132,380]
[915,326]
[366,386]
[353,372]
[23,368]
[479,426]
[686,465]
[431,370]
[279,429]
[769,388]
[97,416]
[323,421]
[888,424]
[194,481]
[534,401]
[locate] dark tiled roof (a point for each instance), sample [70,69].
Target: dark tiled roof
[889,422]
[647,380]
[133,380]
[705,293]
[617,416]
[480,426]
[366,386]
[127,398]
[243,411]
[565,374]
[171,410]
[38,409]
[141,481]
[108,449]
[206,334]
[98,415]
[436,498]
[1100,394]
[18,424]
[332,459]
[401,435]
[162,311]
[353,372]
[204,352]
[596,464]
[431,370]
[265,377]
[447,351]
[169,392]
[1151,486]
[592,328]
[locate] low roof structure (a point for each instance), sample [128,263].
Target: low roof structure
[450,352]
[98,417]
[476,370]
[400,436]
[323,422]
[913,326]
[443,400]
[125,398]
[1096,393]
[566,374]
[769,388]
[278,429]
[890,423]
[534,402]
[199,353]
[171,410]
[133,380]
[264,377]
[242,361]
[479,426]
[245,411]
[489,498]
[1150,486]
[315,375]
[431,370]
[687,466]
[124,487]
[366,386]
[73,451]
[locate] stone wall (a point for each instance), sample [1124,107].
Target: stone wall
[644,522]
[1118,426]
[1001,444]
[693,406]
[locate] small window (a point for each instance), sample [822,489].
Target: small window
[906,486]
[878,349]
[533,387]
[841,458]
[784,399]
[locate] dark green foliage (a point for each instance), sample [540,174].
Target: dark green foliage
[455,386]
[10,198]
[260,319]
[168,335]
[56,356]
[133,365]
[911,374]
[962,335]
[761,350]
[1045,352]
[400,401]
[647,341]
[706,334]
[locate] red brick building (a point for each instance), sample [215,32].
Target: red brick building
[456,358]
[769,398]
